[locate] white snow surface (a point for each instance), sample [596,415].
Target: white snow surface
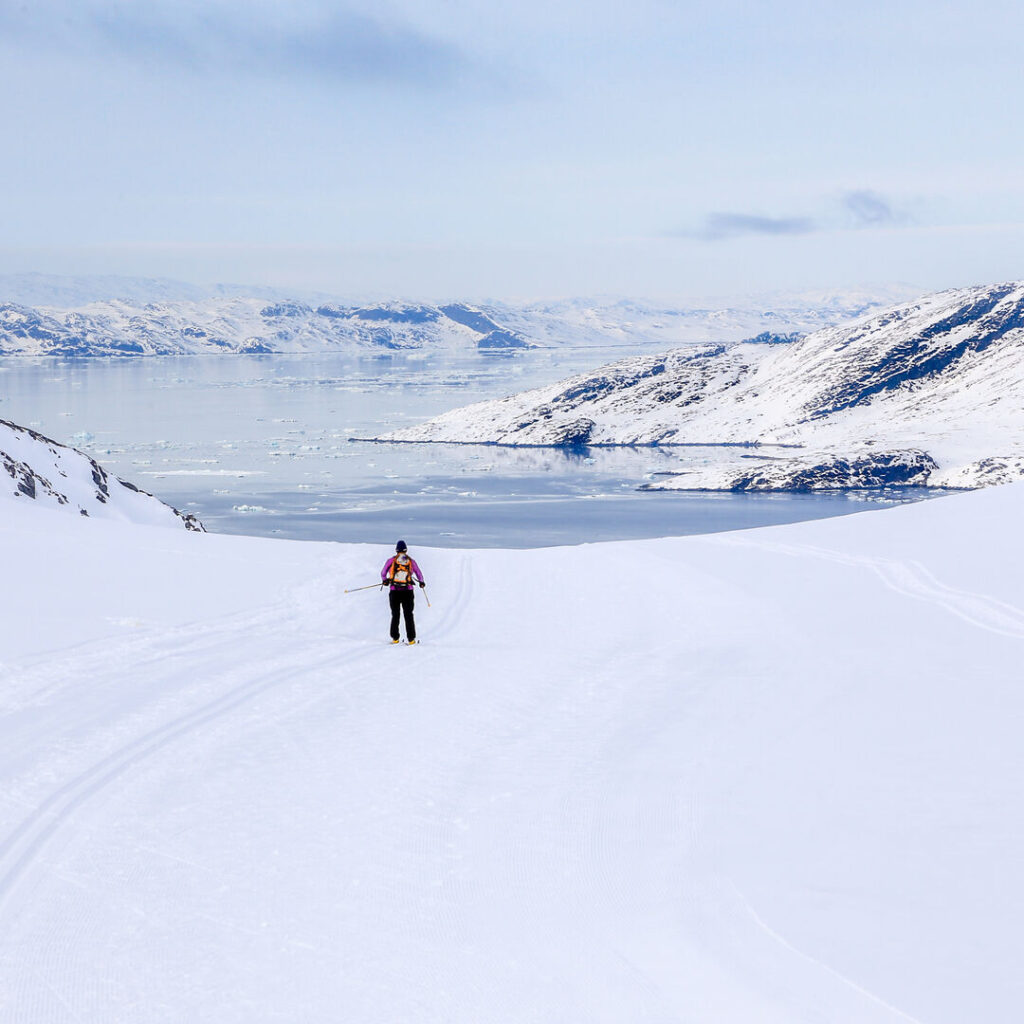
[767,776]
[37,469]
[943,375]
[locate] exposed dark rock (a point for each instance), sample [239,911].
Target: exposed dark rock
[285,309]
[403,315]
[501,339]
[922,356]
[910,468]
[576,434]
[99,478]
[23,477]
[384,338]
[334,312]
[255,346]
[594,387]
[770,338]
[29,483]
[471,318]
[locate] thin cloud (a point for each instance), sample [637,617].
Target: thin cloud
[860,208]
[869,209]
[717,226]
[342,46]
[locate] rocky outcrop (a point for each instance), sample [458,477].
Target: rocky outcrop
[58,476]
[824,472]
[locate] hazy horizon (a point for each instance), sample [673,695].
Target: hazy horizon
[423,149]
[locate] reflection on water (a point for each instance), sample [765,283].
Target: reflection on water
[260,445]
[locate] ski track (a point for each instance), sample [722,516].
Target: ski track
[818,967]
[911,579]
[22,847]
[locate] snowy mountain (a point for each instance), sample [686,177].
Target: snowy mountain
[252,324]
[54,475]
[790,793]
[244,325]
[775,315]
[926,393]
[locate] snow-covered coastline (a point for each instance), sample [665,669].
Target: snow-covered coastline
[786,792]
[246,324]
[926,393]
[53,475]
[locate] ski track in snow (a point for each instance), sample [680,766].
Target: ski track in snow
[551,811]
[164,657]
[914,580]
[21,848]
[869,997]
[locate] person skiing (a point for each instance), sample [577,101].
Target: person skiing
[399,571]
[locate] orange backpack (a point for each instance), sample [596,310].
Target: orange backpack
[400,573]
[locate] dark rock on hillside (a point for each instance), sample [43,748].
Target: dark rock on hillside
[471,318]
[770,338]
[882,469]
[52,473]
[927,353]
[502,340]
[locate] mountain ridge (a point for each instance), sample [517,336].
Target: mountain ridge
[268,321]
[941,375]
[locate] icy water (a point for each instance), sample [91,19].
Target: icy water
[260,445]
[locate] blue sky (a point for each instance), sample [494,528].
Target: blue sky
[449,149]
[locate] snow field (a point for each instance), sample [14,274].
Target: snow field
[768,776]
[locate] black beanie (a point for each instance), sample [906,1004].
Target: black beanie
[400,546]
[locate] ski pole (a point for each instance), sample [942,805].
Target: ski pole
[424,589]
[356,589]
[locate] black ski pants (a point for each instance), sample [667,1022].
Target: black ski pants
[402,601]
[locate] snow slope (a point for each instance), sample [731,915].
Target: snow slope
[785,788]
[47,473]
[925,393]
[248,324]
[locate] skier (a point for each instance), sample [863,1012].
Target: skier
[399,571]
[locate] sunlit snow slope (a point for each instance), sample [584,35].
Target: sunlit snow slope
[770,776]
[37,469]
[926,393]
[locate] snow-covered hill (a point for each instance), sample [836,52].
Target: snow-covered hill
[786,791]
[53,475]
[246,324]
[777,316]
[928,392]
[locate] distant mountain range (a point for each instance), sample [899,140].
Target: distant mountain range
[91,317]
[925,393]
[49,474]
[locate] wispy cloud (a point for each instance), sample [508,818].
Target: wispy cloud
[869,209]
[860,208]
[733,225]
[329,43]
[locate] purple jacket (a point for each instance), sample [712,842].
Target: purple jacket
[387,568]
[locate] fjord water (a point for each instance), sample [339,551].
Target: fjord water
[261,445]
